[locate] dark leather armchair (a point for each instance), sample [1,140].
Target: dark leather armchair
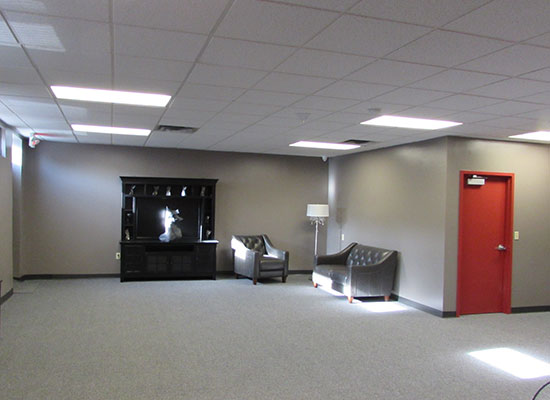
[357,271]
[255,257]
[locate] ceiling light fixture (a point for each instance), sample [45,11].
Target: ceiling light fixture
[541,136]
[324,145]
[408,122]
[111,96]
[110,130]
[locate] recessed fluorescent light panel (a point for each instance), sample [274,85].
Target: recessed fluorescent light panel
[542,136]
[110,130]
[513,362]
[408,122]
[111,96]
[323,145]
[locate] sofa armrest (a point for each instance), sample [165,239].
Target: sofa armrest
[336,258]
[375,279]
[246,261]
[274,252]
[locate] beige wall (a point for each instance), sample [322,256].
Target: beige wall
[531,254]
[6,225]
[395,198]
[406,198]
[72,201]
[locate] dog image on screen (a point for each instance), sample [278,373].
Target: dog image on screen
[171,230]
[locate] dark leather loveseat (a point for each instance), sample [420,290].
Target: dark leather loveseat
[357,271]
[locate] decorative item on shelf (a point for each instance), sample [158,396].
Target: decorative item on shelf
[127,234]
[203,191]
[184,191]
[317,214]
[168,191]
[132,190]
[156,190]
[171,229]
[128,217]
[208,234]
[207,220]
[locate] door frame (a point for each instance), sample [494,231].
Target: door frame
[509,226]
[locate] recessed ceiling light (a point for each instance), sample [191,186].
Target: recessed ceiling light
[408,122]
[542,136]
[111,130]
[323,145]
[111,96]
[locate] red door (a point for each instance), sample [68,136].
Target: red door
[485,243]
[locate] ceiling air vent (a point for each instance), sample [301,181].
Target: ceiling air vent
[356,141]
[177,129]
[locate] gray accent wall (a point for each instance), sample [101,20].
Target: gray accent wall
[6,224]
[72,201]
[406,198]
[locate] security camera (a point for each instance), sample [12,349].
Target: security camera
[324,158]
[33,141]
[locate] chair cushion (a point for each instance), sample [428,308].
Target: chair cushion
[336,272]
[268,263]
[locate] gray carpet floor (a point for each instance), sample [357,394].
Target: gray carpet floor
[228,339]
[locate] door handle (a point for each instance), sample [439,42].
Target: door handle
[501,247]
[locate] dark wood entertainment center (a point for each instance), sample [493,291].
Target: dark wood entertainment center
[143,255]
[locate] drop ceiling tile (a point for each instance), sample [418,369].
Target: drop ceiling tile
[461,102]
[145,42]
[181,15]
[273,23]
[540,75]
[225,120]
[340,5]
[510,108]
[128,140]
[193,91]
[282,122]
[298,84]
[467,117]
[354,90]
[325,103]
[447,49]
[395,73]
[252,109]
[265,97]
[134,121]
[506,19]
[151,68]
[300,114]
[410,96]
[19,76]
[515,60]
[541,98]
[240,53]
[457,81]
[76,78]
[6,37]
[93,138]
[425,112]
[225,76]
[8,89]
[182,103]
[365,36]
[138,110]
[324,126]
[511,88]
[542,40]
[40,123]
[72,61]
[424,12]
[13,57]
[60,34]
[87,117]
[179,117]
[345,117]
[57,135]
[95,10]
[540,117]
[369,108]
[323,63]
[510,123]
[164,139]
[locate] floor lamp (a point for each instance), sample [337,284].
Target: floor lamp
[317,214]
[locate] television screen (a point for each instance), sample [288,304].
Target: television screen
[150,216]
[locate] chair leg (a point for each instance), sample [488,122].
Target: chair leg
[315,284]
[254,281]
[350,299]
[236,276]
[386,298]
[284,279]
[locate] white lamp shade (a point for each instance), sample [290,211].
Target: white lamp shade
[317,210]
